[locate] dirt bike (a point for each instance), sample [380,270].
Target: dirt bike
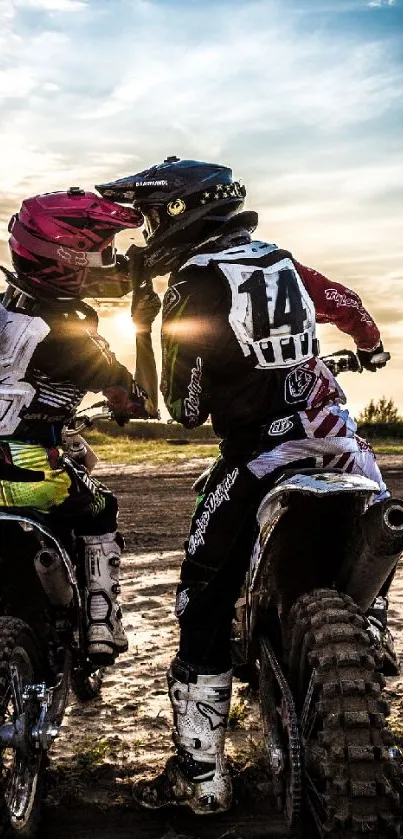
[301,637]
[42,651]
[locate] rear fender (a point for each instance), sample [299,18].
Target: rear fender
[315,484]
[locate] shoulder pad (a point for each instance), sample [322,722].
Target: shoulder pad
[19,337]
[253,250]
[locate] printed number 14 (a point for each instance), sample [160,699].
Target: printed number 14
[287,290]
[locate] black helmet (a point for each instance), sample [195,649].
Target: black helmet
[183,202]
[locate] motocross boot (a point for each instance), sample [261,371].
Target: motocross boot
[378,627]
[196,776]
[106,637]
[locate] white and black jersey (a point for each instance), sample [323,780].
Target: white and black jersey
[50,358]
[239,337]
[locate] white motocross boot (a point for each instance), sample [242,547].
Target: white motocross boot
[196,776]
[106,637]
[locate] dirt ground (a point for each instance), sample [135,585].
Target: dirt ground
[108,743]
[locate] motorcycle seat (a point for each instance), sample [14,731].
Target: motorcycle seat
[295,470]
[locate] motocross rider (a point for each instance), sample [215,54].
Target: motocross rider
[239,344]
[51,355]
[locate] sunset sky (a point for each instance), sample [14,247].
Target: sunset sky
[302,98]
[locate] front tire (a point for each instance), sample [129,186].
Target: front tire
[22,768]
[350,776]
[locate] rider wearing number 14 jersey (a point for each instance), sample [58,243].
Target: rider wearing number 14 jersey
[239,344]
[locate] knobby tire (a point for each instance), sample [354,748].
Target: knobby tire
[352,782]
[18,647]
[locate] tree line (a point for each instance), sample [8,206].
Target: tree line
[383,411]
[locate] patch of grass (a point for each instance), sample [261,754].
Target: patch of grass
[138,743]
[387,446]
[90,752]
[238,714]
[396,727]
[253,753]
[132,451]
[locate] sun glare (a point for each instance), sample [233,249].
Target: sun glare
[118,329]
[122,325]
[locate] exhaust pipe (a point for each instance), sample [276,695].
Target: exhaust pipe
[53,575]
[393,517]
[375,552]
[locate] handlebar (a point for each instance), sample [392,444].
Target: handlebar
[82,420]
[345,361]
[342,361]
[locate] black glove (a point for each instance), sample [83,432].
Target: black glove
[373,360]
[146,310]
[126,406]
[137,269]
[145,301]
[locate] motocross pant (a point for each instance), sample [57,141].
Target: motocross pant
[223,525]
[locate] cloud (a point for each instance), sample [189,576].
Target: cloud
[276,77]
[51,5]
[51,87]
[16,83]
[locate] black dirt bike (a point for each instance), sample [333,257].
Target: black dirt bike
[42,652]
[300,634]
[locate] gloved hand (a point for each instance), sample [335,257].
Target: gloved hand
[146,309]
[125,406]
[137,269]
[145,301]
[373,360]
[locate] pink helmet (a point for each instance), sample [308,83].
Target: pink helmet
[62,245]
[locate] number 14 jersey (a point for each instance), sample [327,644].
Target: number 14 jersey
[239,336]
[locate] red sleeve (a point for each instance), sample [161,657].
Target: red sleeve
[334,303]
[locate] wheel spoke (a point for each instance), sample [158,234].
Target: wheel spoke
[16,689]
[309,713]
[315,803]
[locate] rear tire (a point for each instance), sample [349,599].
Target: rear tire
[21,769]
[351,780]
